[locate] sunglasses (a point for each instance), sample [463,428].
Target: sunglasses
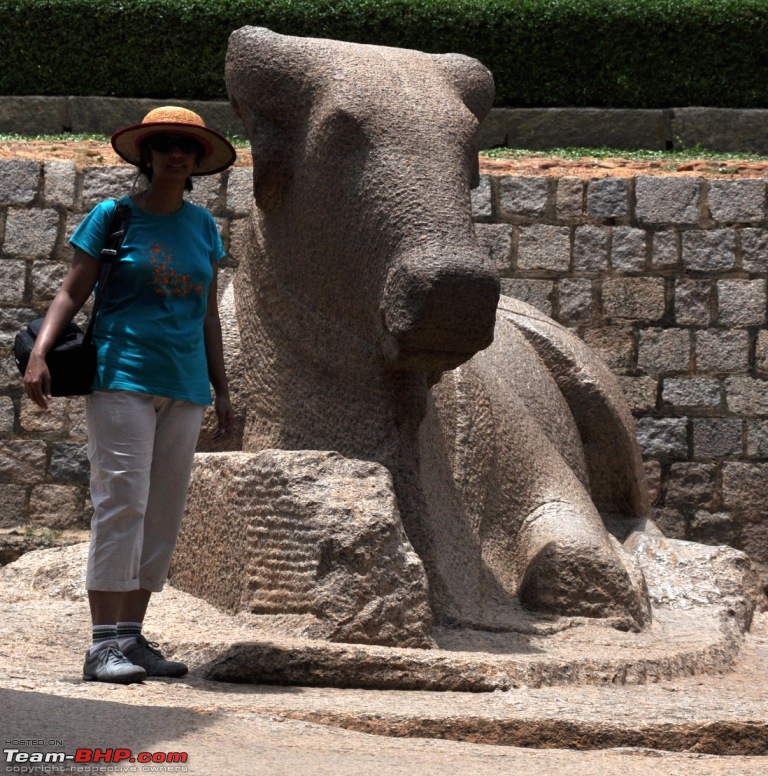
[164,144]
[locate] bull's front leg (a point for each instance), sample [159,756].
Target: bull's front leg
[514,491]
[570,566]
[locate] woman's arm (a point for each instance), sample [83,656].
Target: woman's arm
[74,291]
[214,353]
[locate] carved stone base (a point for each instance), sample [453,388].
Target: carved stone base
[703,601]
[690,635]
[310,541]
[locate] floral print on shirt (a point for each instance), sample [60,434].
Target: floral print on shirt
[165,279]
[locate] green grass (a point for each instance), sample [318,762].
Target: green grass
[695,153]
[76,137]
[51,535]
[12,138]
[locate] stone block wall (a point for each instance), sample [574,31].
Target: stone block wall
[664,276]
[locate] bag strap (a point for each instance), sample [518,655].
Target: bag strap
[118,224]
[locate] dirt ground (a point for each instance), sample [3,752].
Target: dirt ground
[89,153]
[541,164]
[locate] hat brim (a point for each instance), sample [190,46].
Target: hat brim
[219,152]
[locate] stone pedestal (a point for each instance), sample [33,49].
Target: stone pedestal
[310,541]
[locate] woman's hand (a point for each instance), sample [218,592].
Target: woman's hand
[37,380]
[225,416]
[75,289]
[214,354]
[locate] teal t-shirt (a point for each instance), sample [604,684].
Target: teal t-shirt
[149,328]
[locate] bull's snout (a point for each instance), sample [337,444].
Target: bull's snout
[438,311]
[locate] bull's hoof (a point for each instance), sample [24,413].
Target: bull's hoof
[576,571]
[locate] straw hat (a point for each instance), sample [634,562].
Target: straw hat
[219,153]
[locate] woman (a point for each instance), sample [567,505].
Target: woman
[159,344]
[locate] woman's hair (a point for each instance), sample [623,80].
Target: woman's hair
[145,168]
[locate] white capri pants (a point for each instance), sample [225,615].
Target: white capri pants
[141,449]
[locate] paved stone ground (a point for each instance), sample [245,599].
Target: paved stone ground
[259,729]
[267,745]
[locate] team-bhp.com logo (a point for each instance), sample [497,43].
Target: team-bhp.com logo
[94,761]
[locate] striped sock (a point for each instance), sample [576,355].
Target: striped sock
[127,633]
[101,635]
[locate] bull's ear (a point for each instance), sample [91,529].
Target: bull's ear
[271,89]
[474,84]
[472,80]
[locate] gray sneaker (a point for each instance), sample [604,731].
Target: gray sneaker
[110,665]
[147,655]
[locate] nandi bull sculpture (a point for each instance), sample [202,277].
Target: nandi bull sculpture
[370,324]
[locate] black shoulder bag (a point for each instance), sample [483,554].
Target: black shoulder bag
[72,359]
